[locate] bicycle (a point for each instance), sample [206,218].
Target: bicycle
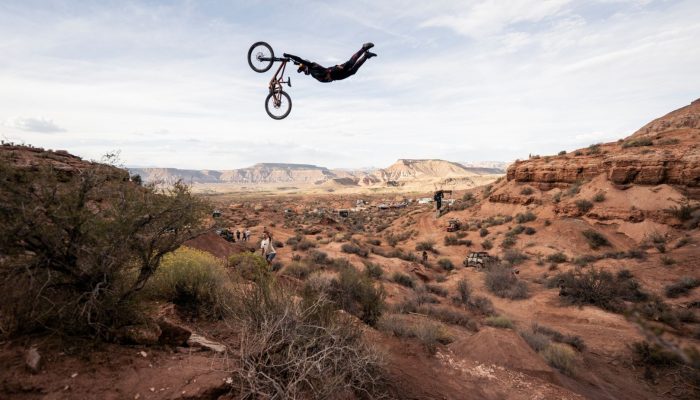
[261,57]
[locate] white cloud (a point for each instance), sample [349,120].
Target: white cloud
[30,124]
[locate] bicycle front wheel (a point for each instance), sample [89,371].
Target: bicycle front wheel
[260,57]
[278,105]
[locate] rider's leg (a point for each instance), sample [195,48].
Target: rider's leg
[353,69]
[353,60]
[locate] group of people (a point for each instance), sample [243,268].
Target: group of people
[242,234]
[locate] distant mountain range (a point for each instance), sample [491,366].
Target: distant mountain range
[400,173]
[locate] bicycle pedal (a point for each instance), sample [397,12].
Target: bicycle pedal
[289,82]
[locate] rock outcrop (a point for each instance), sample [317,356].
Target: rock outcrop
[667,150]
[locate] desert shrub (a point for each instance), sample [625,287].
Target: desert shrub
[278,244]
[683,241]
[449,316]
[374,270]
[562,153]
[481,305]
[599,288]
[502,282]
[557,258]
[446,264]
[464,291]
[599,197]
[669,141]
[681,287]
[251,266]
[574,189]
[637,143]
[574,341]
[530,230]
[78,245]
[527,190]
[595,239]
[514,257]
[356,293]
[403,279]
[292,349]
[487,244]
[292,240]
[509,241]
[429,333]
[583,205]
[483,232]
[374,242]
[522,218]
[654,355]
[594,149]
[665,260]
[425,246]
[319,257]
[196,282]
[499,321]
[393,240]
[487,191]
[436,289]
[303,245]
[683,212]
[536,340]
[516,230]
[298,270]
[561,357]
[352,248]
[456,240]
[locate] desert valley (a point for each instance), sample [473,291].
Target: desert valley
[563,276]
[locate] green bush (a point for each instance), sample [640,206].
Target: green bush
[196,282]
[449,316]
[436,289]
[599,288]
[637,143]
[446,264]
[502,282]
[572,340]
[509,241]
[599,197]
[319,257]
[561,357]
[595,239]
[537,341]
[499,321]
[527,190]
[562,153]
[583,205]
[514,257]
[464,291]
[357,294]
[425,246]
[78,245]
[374,270]
[522,218]
[251,266]
[298,270]
[682,287]
[403,279]
[352,248]
[429,333]
[530,230]
[487,244]
[557,258]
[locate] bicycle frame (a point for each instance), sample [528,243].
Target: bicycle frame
[277,80]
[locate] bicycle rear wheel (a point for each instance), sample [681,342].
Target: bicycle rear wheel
[278,110]
[257,52]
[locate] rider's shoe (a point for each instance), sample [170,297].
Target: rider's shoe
[369,54]
[367,46]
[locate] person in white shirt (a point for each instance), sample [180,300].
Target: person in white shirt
[266,248]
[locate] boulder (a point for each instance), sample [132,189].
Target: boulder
[145,334]
[196,340]
[172,333]
[33,360]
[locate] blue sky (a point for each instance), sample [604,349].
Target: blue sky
[167,82]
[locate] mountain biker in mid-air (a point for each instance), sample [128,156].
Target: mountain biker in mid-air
[338,72]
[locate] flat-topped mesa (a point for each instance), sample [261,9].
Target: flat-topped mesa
[667,150]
